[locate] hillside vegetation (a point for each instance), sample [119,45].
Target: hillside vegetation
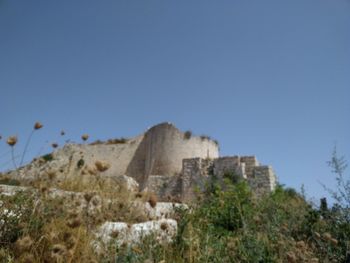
[230,226]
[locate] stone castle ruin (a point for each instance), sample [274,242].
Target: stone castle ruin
[163,160]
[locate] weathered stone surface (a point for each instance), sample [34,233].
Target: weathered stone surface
[263,179]
[163,230]
[167,188]
[197,173]
[126,182]
[161,210]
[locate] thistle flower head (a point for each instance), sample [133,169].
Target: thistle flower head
[54,145]
[152,200]
[12,140]
[164,226]
[58,251]
[38,126]
[74,222]
[102,165]
[327,236]
[85,137]
[24,244]
[334,241]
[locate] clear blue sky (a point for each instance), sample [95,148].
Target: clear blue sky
[270,78]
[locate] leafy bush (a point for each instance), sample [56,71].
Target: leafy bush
[14,212]
[47,157]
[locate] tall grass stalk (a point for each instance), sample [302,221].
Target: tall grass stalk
[26,147]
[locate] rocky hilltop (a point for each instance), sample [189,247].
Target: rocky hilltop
[163,160]
[119,193]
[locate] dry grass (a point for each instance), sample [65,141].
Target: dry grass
[60,228]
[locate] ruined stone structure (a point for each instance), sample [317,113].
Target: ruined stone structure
[163,160]
[198,172]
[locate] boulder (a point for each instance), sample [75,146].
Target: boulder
[163,230]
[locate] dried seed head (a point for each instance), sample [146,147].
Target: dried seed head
[114,234]
[85,137]
[334,241]
[301,244]
[54,145]
[138,195]
[63,133]
[70,242]
[43,189]
[88,196]
[92,170]
[152,200]
[291,257]
[58,250]
[74,222]
[27,258]
[164,226]
[24,244]
[102,166]
[38,126]
[327,236]
[12,140]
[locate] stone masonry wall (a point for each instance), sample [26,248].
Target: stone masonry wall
[229,164]
[263,179]
[197,172]
[162,150]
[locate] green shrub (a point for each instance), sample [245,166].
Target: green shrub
[80,163]
[47,157]
[187,135]
[15,211]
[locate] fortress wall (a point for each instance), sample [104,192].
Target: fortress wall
[224,165]
[118,156]
[168,147]
[167,188]
[162,150]
[264,180]
[195,174]
[250,163]
[65,160]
